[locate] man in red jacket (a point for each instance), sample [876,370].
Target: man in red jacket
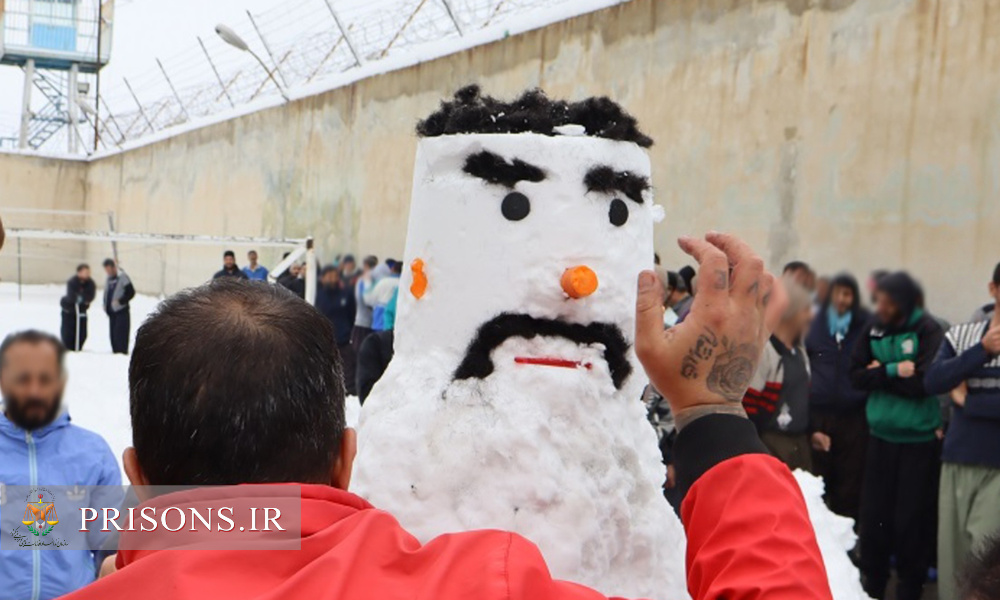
[235,382]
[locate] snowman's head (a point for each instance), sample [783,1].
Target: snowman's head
[529,224]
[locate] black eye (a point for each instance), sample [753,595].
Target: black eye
[516,206]
[618,213]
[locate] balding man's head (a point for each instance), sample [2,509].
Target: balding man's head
[236,382]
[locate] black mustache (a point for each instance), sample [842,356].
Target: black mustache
[478,364]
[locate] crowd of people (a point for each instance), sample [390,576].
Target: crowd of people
[831,381]
[360,302]
[898,411]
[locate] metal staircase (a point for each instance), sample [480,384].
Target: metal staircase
[47,122]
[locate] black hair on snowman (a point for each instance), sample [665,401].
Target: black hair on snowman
[534,112]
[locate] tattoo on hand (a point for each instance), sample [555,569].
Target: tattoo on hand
[702,350]
[732,371]
[721,279]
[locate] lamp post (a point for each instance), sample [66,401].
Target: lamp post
[233,39]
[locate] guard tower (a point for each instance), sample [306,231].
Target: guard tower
[54,41]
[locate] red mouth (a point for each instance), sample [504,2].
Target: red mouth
[552,362]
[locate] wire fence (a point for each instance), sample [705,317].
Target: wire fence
[298,42]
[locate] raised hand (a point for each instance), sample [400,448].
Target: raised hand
[704,365]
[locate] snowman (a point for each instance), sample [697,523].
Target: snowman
[513,399]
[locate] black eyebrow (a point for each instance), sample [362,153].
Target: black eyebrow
[495,169]
[606,179]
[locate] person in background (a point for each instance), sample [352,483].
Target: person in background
[822,291]
[348,271]
[873,278]
[799,272]
[229,267]
[378,297]
[678,299]
[40,447]
[271,381]
[688,274]
[373,359]
[899,490]
[777,400]
[968,367]
[253,270]
[3,234]
[985,311]
[363,316]
[80,293]
[836,409]
[118,292]
[336,302]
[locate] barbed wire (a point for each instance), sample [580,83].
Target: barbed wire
[302,42]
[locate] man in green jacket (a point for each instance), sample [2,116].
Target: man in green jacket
[902,462]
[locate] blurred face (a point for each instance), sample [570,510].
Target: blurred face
[111,270]
[842,299]
[295,270]
[348,266]
[252,257]
[802,320]
[32,384]
[885,308]
[229,261]
[331,278]
[83,274]
[995,292]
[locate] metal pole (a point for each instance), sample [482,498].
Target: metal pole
[216,71]
[142,111]
[29,76]
[111,227]
[19,283]
[451,14]
[97,97]
[267,48]
[310,272]
[270,75]
[343,32]
[174,90]
[72,110]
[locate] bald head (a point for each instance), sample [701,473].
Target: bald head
[236,382]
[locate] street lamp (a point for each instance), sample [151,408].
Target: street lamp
[233,39]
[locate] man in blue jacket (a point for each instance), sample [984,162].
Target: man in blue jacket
[39,447]
[836,409]
[968,366]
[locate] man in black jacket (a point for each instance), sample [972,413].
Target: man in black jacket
[836,409]
[229,267]
[335,301]
[80,292]
[117,294]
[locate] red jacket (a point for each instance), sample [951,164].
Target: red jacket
[749,536]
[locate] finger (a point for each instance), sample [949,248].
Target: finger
[649,318]
[713,271]
[747,265]
[776,305]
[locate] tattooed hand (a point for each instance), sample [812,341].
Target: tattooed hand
[704,365]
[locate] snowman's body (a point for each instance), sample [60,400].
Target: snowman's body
[512,401]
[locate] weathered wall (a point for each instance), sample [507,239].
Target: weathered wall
[46,184]
[849,133]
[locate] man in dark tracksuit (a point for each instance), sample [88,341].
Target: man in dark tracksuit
[117,294]
[80,292]
[836,409]
[898,515]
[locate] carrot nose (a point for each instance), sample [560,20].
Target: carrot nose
[579,282]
